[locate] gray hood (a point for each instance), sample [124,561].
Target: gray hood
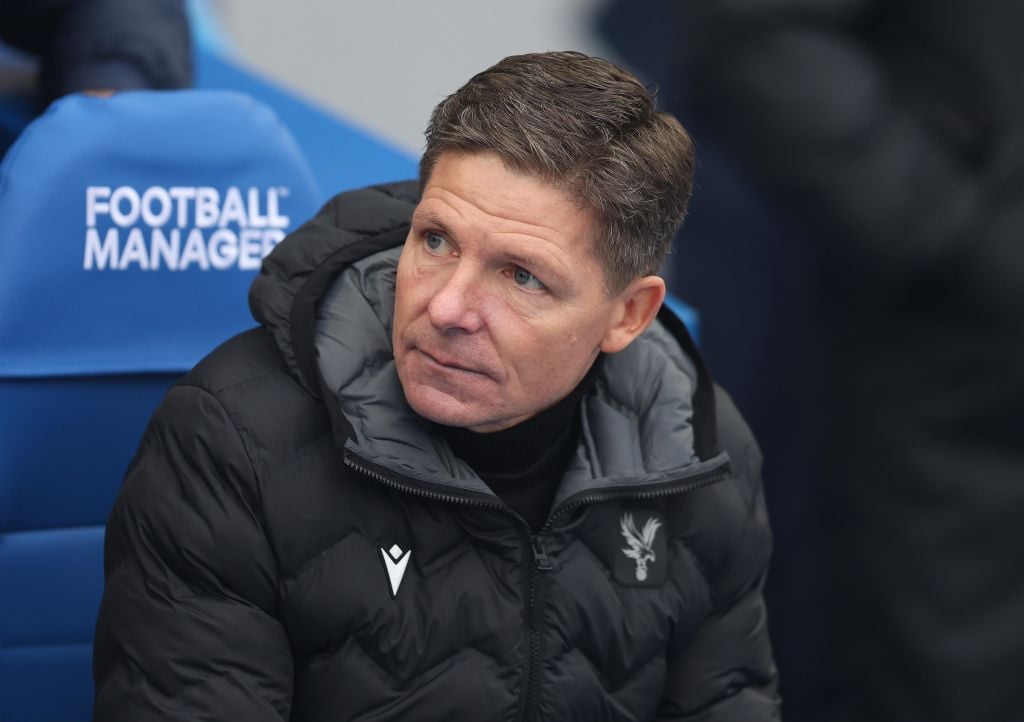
[636,420]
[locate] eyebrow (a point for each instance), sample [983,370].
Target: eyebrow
[537,263]
[426,218]
[528,261]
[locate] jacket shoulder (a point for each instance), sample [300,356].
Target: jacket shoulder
[728,525]
[261,395]
[249,355]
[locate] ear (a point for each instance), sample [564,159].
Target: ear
[638,304]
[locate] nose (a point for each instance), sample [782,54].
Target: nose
[455,305]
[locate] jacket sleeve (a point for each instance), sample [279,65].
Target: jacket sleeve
[187,627]
[103,44]
[725,672]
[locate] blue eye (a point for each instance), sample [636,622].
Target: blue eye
[524,278]
[435,242]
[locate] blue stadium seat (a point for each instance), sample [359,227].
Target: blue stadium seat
[130,230]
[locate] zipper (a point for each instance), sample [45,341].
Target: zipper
[708,477]
[393,480]
[416,487]
[541,565]
[541,561]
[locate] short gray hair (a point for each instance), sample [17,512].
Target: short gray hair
[589,127]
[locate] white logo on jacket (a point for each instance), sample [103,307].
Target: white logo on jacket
[641,543]
[395,562]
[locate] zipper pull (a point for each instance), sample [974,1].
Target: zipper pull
[540,555]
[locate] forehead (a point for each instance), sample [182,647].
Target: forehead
[478,192]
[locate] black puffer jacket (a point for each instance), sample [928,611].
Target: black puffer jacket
[292,542]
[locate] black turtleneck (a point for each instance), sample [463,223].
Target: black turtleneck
[524,464]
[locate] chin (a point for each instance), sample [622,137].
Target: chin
[441,408]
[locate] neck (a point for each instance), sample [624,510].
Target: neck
[524,464]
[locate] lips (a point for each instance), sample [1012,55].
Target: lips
[449,363]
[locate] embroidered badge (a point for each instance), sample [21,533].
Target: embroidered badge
[644,559]
[641,543]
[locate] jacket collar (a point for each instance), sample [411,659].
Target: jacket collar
[298,271]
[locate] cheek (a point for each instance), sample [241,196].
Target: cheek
[417,280]
[411,293]
[549,354]
[576,334]
[405,309]
[572,345]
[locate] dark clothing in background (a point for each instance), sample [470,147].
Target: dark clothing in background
[895,130]
[101,44]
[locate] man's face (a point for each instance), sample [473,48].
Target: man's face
[500,305]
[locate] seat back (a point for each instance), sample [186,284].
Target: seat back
[130,230]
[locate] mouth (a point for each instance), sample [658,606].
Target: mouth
[449,364]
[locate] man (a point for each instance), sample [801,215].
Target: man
[468,476]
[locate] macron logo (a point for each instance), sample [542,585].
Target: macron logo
[395,563]
[181,227]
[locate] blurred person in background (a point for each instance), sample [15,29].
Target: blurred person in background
[895,132]
[95,46]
